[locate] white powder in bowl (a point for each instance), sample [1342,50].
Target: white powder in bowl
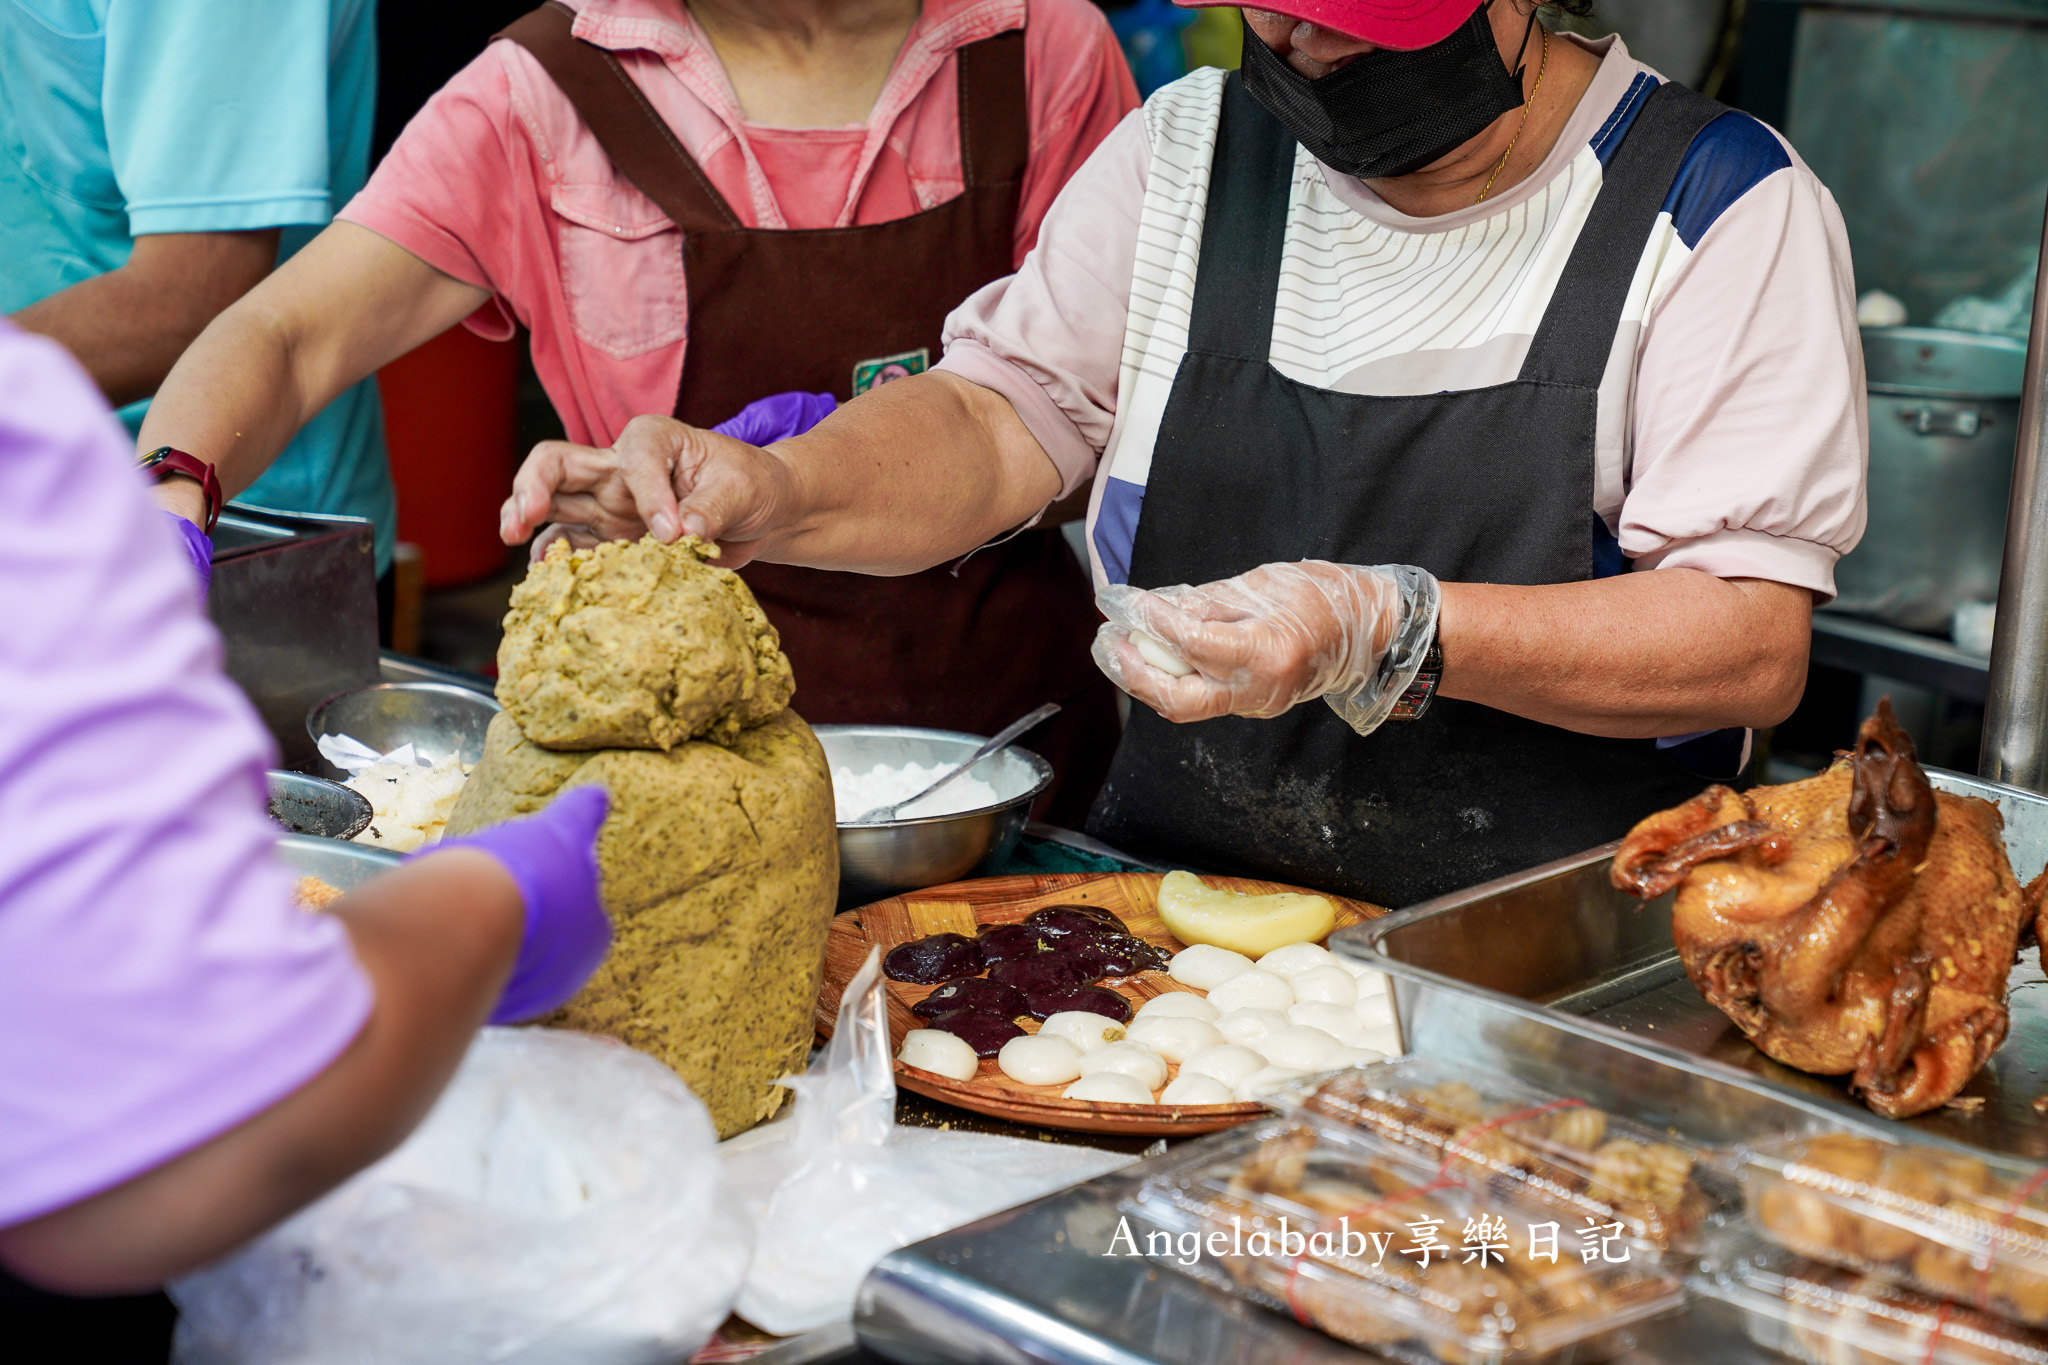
[857,793]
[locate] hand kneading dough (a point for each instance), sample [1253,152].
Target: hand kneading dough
[638,646]
[719,856]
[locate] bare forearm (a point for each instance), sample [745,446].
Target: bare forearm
[911,475]
[129,326]
[437,939]
[1665,652]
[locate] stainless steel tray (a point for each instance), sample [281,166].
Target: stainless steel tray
[1556,977]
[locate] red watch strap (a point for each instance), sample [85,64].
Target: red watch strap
[165,461]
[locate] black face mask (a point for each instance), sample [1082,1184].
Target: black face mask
[1388,113]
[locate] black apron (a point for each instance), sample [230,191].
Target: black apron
[1490,485]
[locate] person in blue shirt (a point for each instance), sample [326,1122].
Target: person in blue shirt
[157,159]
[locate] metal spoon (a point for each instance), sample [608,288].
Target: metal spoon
[1003,739]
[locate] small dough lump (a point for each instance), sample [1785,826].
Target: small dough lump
[1347,1058]
[1298,1046]
[1249,1028]
[1175,1039]
[1196,1090]
[1134,1060]
[1205,967]
[1296,958]
[1108,1087]
[1334,1020]
[1255,1087]
[1179,1005]
[1331,985]
[1036,1059]
[1085,1029]
[1252,990]
[931,1049]
[1228,1064]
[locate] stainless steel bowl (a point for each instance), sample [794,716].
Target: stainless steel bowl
[311,805]
[438,719]
[343,866]
[903,855]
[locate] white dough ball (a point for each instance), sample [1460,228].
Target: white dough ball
[1155,652]
[1135,1060]
[1174,1039]
[1298,1046]
[1370,982]
[1085,1029]
[1249,1028]
[1229,1063]
[1349,1058]
[1263,1082]
[1296,958]
[1035,1059]
[1205,966]
[1330,985]
[1375,1011]
[1334,1020]
[1252,990]
[932,1049]
[1192,1089]
[1178,1005]
[1384,1040]
[1108,1087]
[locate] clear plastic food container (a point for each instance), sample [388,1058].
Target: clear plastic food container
[1319,1223]
[1491,1133]
[1831,1316]
[1939,1221]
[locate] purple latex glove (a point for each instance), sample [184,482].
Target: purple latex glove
[778,417]
[552,857]
[198,547]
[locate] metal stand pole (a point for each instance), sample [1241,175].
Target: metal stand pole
[2015,747]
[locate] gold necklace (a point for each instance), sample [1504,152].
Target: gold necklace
[1541,62]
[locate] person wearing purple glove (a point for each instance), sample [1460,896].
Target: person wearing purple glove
[186,1056]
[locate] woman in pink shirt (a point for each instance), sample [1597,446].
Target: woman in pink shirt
[695,207]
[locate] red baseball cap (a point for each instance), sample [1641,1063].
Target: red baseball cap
[1400,24]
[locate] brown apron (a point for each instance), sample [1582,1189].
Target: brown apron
[962,647]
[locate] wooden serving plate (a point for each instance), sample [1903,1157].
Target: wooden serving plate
[964,908]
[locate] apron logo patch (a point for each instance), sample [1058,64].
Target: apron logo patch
[872,374]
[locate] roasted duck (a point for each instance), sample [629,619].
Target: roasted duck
[1857,923]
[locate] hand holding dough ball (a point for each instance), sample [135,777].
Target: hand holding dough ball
[1191,1089]
[935,1050]
[1254,1088]
[1299,1047]
[1036,1059]
[1330,985]
[1205,967]
[1227,1064]
[1334,1020]
[1108,1087]
[1297,958]
[1140,1063]
[1155,653]
[1252,990]
[1253,925]
[1175,1039]
[1249,1028]
[1085,1029]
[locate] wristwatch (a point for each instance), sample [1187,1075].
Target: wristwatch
[164,462]
[1419,694]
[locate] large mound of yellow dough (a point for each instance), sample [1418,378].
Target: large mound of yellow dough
[721,867]
[638,646]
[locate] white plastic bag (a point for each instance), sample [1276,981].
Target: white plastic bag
[837,1186]
[564,1202]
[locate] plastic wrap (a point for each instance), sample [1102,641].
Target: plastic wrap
[1561,1153]
[1320,1223]
[1939,1221]
[1831,1316]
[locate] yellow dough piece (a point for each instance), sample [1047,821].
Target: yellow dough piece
[1252,925]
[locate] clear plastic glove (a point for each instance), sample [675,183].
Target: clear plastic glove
[198,548]
[552,858]
[1268,640]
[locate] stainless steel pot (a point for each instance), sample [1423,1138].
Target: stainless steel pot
[1944,417]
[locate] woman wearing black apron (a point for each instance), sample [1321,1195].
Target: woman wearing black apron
[1441,562]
